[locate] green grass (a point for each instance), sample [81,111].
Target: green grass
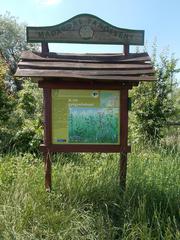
[93,125]
[86,202]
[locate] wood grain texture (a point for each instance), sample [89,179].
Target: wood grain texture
[84,65]
[85,28]
[85,148]
[58,74]
[47,136]
[89,84]
[47,170]
[84,57]
[47,116]
[105,67]
[123,136]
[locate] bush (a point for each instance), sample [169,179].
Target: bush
[22,131]
[153,105]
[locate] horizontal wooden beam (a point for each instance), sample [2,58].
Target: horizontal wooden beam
[79,65]
[70,84]
[110,72]
[85,148]
[85,57]
[73,75]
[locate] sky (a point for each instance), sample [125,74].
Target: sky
[159,19]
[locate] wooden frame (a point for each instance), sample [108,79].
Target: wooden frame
[47,148]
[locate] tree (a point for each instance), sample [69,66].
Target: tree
[21,119]
[27,118]
[12,43]
[153,103]
[20,110]
[6,99]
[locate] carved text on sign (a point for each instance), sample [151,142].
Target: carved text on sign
[85,28]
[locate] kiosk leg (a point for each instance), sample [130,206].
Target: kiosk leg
[123,170]
[47,168]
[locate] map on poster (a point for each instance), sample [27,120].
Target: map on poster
[85,116]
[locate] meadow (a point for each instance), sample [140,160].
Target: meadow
[86,202]
[93,125]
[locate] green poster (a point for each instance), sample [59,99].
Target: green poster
[85,116]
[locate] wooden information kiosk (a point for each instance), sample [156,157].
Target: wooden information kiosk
[85,95]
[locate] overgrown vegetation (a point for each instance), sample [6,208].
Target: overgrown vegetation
[153,103]
[20,103]
[21,125]
[86,202]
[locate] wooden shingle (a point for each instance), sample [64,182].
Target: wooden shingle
[119,67]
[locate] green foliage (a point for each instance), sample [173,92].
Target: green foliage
[20,112]
[86,202]
[6,100]
[153,103]
[22,131]
[176,99]
[12,43]
[12,37]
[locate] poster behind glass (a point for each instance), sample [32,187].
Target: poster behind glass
[85,116]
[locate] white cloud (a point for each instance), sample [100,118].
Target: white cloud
[48,2]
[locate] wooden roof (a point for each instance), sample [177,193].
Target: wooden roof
[120,67]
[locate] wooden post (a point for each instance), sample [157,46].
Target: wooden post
[47,169]
[126,49]
[45,47]
[47,137]
[124,130]
[123,136]
[123,171]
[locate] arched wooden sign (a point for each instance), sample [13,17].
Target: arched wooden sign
[85,28]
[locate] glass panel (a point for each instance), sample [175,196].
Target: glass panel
[85,116]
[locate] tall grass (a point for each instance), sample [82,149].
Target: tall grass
[86,202]
[93,125]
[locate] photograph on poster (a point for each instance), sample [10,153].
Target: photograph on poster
[85,116]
